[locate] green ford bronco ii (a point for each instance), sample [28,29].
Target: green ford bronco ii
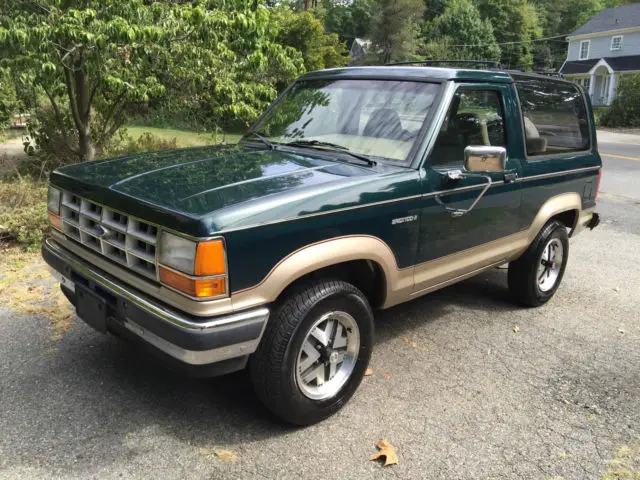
[358,189]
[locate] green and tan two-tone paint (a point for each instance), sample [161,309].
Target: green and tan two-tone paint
[287,212]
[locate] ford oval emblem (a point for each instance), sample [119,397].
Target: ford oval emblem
[102,231]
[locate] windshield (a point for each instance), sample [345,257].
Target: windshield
[377,118]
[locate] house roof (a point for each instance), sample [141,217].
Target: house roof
[618,64]
[626,16]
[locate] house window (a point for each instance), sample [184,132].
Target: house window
[584,49]
[616,42]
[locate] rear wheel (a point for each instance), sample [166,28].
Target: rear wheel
[315,351]
[536,275]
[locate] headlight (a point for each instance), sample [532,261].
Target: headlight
[53,207]
[53,200]
[198,269]
[177,252]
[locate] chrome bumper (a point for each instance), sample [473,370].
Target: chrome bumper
[191,340]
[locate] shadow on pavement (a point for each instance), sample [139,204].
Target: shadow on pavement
[84,400]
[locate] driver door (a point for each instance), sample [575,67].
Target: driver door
[454,246]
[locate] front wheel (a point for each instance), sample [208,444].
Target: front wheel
[314,352]
[536,275]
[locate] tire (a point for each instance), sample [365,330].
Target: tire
[534,277]
[286,389]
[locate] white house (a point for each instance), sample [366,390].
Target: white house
[602,50]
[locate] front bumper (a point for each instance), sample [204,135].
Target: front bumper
[189,340]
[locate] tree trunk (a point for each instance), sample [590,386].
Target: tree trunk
[307,4]
[87,148]
[79,100]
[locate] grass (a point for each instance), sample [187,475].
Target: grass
[11,133]
[184,138]
[27,288]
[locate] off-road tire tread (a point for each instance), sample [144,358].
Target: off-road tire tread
[523,270]
[268,360]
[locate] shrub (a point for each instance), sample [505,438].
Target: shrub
[23,218]
[625,108]
[598,114]
[43,160]
[147,142]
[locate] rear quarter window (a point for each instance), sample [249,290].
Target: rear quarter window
[554,116]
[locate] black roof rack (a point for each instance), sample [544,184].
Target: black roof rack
[429,63]
[546,73]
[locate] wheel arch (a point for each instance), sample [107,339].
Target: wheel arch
[565,208]
[342,257]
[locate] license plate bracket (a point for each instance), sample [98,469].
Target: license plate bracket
[91,308]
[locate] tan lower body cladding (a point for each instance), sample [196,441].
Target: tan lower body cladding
[401,284]
[407,283]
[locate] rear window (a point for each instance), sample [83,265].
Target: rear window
[554,115]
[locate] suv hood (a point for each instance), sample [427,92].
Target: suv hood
[217,187]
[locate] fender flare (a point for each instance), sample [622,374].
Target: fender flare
[320,255]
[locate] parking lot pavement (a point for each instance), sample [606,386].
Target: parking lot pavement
[455,389]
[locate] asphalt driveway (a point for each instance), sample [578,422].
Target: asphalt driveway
[466,385]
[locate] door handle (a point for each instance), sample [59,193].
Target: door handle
[510,177]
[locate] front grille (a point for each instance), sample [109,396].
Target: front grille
[119,237]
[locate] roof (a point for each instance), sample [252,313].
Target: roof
[618,64]
[427,74]
[626,16]
[391,72]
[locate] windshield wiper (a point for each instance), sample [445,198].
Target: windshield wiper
[263,139]
[332,146]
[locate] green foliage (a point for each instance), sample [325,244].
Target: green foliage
[515,23]
[99,58]
[625,109]
[147,142]
[23,217]
[560,17]
[462,34]
[349,20]
[598,114]
[8,99]
[395,26]
[306,33]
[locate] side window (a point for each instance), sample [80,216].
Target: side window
[475,117]
[554,116]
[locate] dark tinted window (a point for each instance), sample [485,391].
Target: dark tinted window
[475,117]
[555,116]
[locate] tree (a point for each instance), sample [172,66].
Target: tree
[395,28]
[348,20]
[94,59]
[560,18]
[461,34]
[515,24]
[306,33]
[625,108]
[8,99]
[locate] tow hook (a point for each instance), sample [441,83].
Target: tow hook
[594,222]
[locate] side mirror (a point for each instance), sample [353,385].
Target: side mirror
[485,159]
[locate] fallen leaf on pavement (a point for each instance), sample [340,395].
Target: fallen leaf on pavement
[516,329]
[388,377]
[368,372]
[387,452]
[405,340]
[220,454]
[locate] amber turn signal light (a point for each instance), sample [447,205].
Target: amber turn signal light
[55,220]
[210,258]
[201,287]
